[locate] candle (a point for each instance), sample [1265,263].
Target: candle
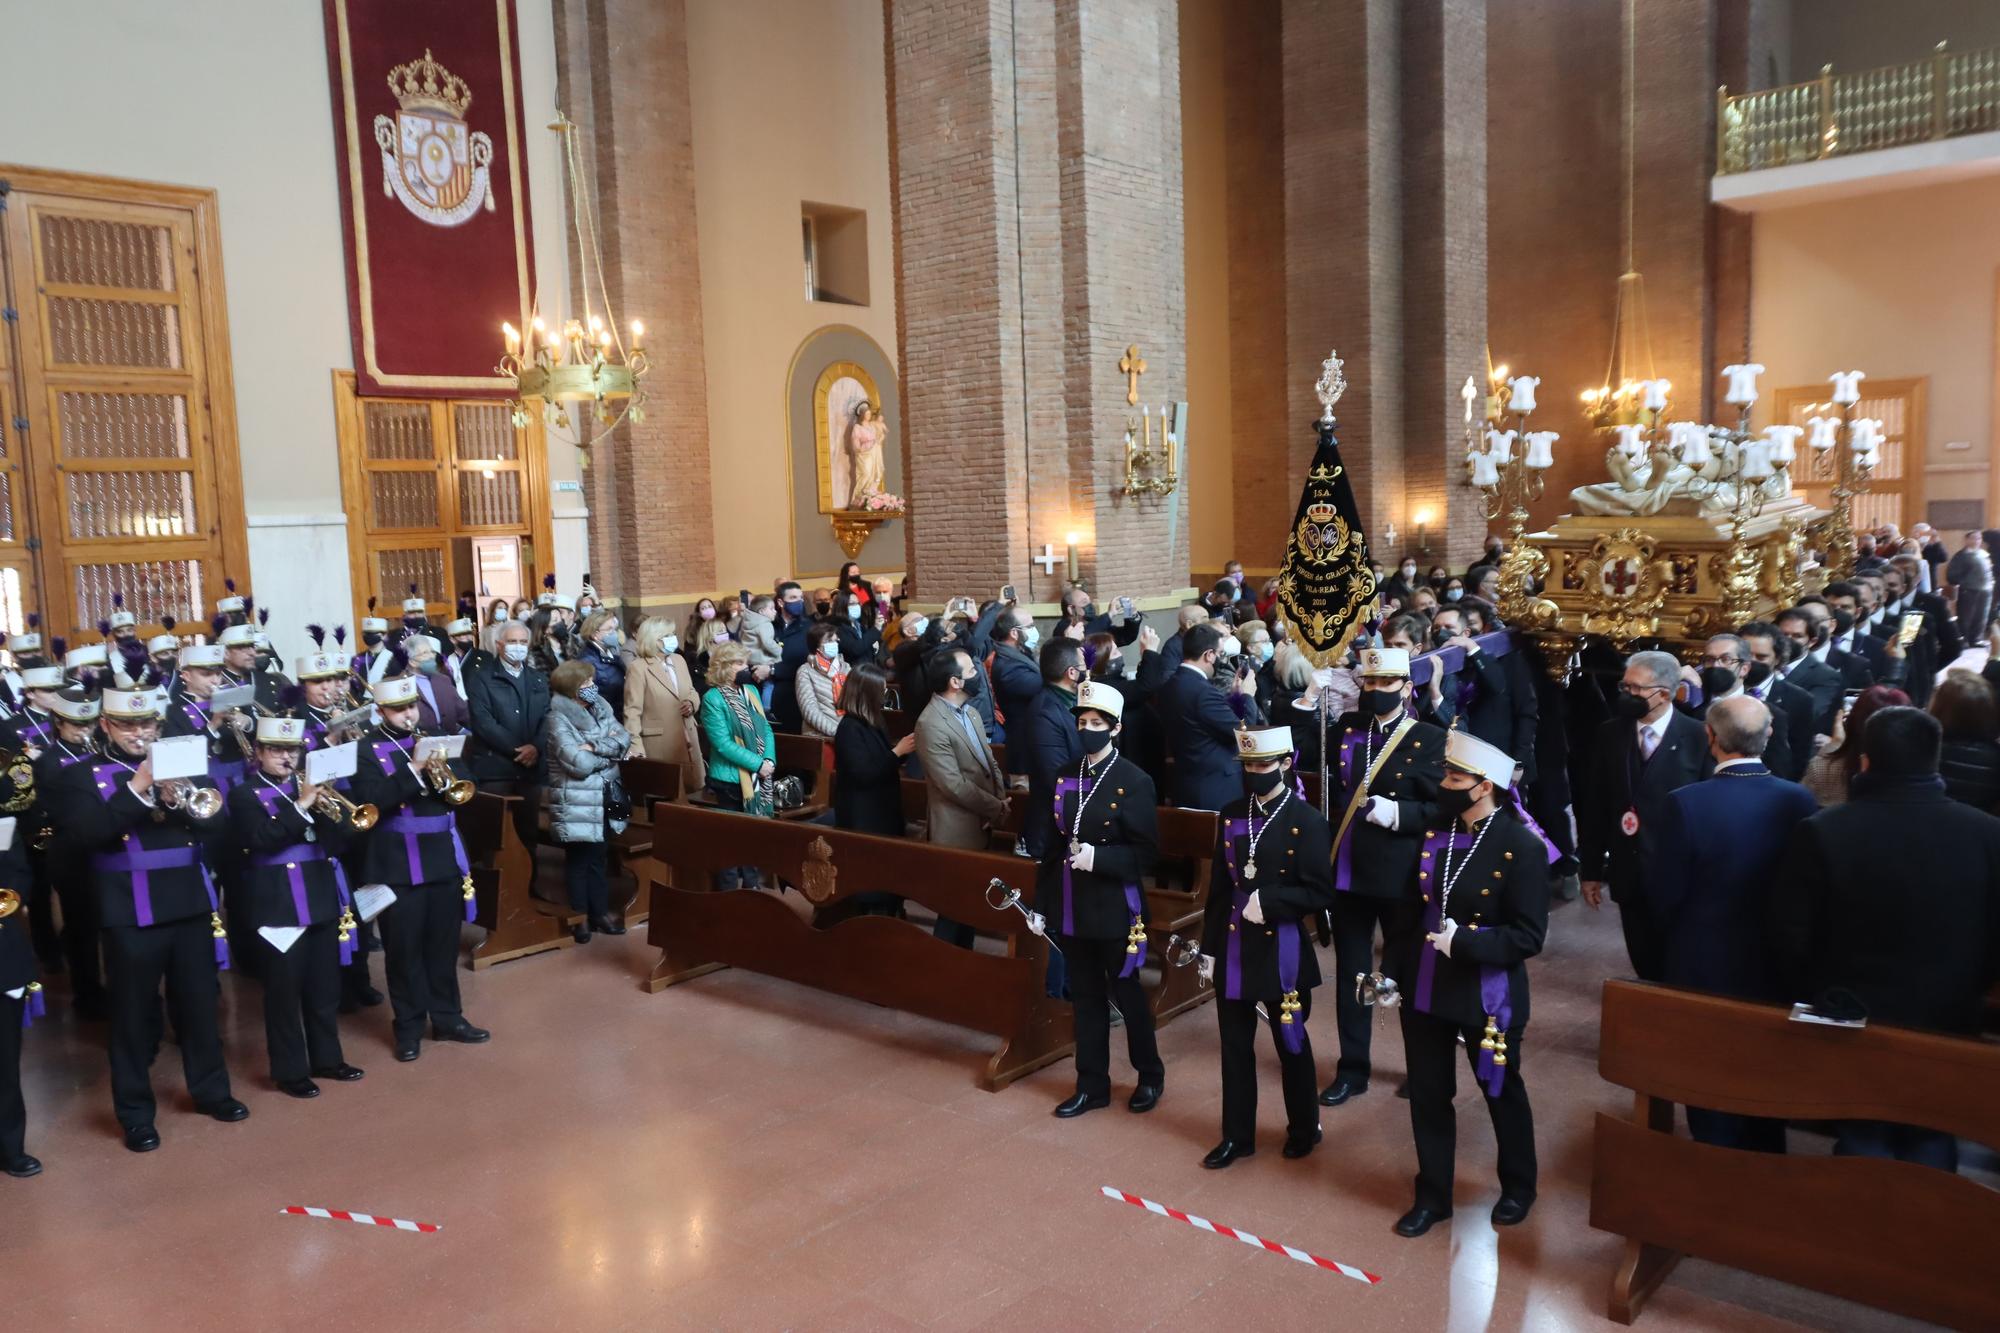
[638,334]
[1468,393]
[1632,440]
[1484,471]
[1522,388]
[1756,460]
[1071,542]
[1825,430]
[1865,435]
[1500,444]
[1695,451]
[1847,386]
[1173,458]
[1784,442]
[1742,384]
[1540,449]
[513,336]
[1656,395]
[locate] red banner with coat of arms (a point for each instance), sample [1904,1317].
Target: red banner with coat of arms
[430,142]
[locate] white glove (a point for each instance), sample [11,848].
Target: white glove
[1253,910]
[1037,923]
[1441,939]
[1381,812]
[1084,857]
[1206,966]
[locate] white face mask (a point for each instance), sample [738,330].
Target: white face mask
[1266,651]
[515,653]
[670,644]
[854,611]
[1232,647]
[499,614]
[923,623]
[1031,637]
[830,651]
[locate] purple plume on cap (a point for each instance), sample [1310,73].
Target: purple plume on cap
[34,620]
[167,623]
[136,657]
[371,603]
[104,628]
[219,624]
[549,582]
[249,605]
[229,584]
[291,696]
[263,616]
[59,646]
[118,600]
[340,635]
[90,680]
[413,590]
[317,633]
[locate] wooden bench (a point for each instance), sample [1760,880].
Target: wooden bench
[880,959]
[1902,1237]
[516,923]
[646,781]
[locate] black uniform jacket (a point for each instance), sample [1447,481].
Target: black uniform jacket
[1294,882]
[141,856]
[1121,820]
[409,808]
[1500,900]
[1382,863]
[266,822]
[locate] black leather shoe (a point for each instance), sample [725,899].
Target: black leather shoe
[368,997]
[1419,1220]
[1511,1211]
[1227,1151]
[464,1032]
[141,1138]
[581,934]
[341,1073]
[1340,1090]
[1080,1103]
[301,1088]
[228,1111]
[407,1051]
[22,1167]
[606,926]
[1296,1148]
[1144,1098]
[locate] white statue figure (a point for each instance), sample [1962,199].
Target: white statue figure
[1522,388]
[1689,464]
[1847,385]
[1825,432]
[1742,384]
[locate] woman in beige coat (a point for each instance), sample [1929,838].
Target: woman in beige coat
[661,696]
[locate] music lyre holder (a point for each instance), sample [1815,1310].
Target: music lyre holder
[1374,990]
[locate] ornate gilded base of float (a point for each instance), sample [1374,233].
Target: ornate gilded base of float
[1673,577]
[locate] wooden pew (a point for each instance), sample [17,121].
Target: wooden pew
[516,923]
[876,958]
[810,760]
[1902,1237]
[646,781]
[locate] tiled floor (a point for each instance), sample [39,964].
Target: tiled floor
[742,1153]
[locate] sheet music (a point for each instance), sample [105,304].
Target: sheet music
[336,761]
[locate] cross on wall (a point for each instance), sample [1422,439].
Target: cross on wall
[1048,559]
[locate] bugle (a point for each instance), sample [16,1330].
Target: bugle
[336,807]
[450,788]
[180,794]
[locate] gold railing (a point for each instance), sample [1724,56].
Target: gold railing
[1949,94]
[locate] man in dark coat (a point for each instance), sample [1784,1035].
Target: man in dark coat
[1497,694]
[1271,877]
[1384,777]
[1793,711]
[505,707]
[1650,748]
[1894,899]
[1017,680]
[1726,665]
[1199,726]
[1484,894]
[1721,842]
[1090,891]
[791,625]
[1802,668]
[20,993]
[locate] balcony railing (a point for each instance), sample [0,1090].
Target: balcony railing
[1949,94]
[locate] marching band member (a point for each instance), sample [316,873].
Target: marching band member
[1484,886]
[415,850]
[232,609]
[158,907]
[1384,771]
[1091,892]
[239,667]
[54,856]
[466,655]
[39,686]
[190,713]
[165,650]
[294,883]
[366,668]
[1273,874]
[323,694]
[20,1003]
[23,651]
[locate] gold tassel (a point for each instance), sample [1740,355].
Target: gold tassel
[467,887]
[215,926]
[1492,1026]
[1288,1006]
[1500,1050]
[347,924]
[1137,936]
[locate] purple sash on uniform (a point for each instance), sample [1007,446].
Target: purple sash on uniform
[1495,996]
[1519,809]
[141,865]
[1293,1034]
[33,1005]
[1134,902]
[413,827]
[1343,855]
[37,734]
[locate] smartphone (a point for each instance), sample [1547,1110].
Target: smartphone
[1125,605]
[744,595]
[1007,594]
[1912,626]
[1847,701]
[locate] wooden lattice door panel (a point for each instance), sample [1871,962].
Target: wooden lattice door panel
[1895,493]
[131,487]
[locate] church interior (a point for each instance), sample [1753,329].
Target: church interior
[477,456]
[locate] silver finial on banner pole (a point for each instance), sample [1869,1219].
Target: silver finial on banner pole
[1332,383]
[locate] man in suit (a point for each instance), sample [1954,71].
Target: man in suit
[1853,671]
[967,791]
[1646,750]
[1174,651]
[1721,842]
[1969,575]
[1851,603]
[1199,725]
[1017,681]
[441,710]
[1724,674]
[1894,898]
[1089,888]
[505,710]
[1383,774]
[1797,666]
[1793,711]
[791,626]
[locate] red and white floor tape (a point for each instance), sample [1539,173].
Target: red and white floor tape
[399,1223]
[1202,1223]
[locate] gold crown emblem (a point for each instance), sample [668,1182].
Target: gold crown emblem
[425,85]
[1320,513]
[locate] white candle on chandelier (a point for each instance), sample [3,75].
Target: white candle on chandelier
[1825,432]
[1784,442]
[1756,460]
[638,334]
[1522,393]
[1847,386]
[1742,384]
[1656,394]
[1631,440]
[1500,445]
[1484,471]
[1865,434]
[1539,452]
[1695,451]
[513,336]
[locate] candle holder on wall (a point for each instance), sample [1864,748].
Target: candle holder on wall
[1149,469]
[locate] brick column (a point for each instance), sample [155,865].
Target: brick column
[1036,190]
[622,76]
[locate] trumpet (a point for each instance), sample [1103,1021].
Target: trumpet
[451,789]
[179,794]
[10,903]
[337,807]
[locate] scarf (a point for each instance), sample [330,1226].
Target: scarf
[758,797]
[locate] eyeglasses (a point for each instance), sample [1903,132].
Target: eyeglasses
[1638,691]
[1725,659]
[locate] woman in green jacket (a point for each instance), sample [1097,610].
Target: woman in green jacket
[742,754]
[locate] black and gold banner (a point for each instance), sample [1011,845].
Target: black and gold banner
[1325,587]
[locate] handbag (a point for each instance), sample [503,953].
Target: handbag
[788,793]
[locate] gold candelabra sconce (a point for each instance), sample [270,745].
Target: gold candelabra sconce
[1150,468]
[1506,465]
[1855,446]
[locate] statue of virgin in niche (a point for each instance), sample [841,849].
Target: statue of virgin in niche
[862,442]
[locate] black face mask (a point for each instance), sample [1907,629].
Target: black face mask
[745,679]
[972,685]
[372,639]
[1759,673]
[559,632]
[1631,706]
[824,607]
[1380,702]
[1717,680]
[1115,667]
[1094,742]
[1263,784]
[1455,801]
[1843,621]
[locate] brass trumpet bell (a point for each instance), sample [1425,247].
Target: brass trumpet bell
[201,802]
[451,789]
[10,903]
[337,807]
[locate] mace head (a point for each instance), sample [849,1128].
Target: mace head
[1331,385]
